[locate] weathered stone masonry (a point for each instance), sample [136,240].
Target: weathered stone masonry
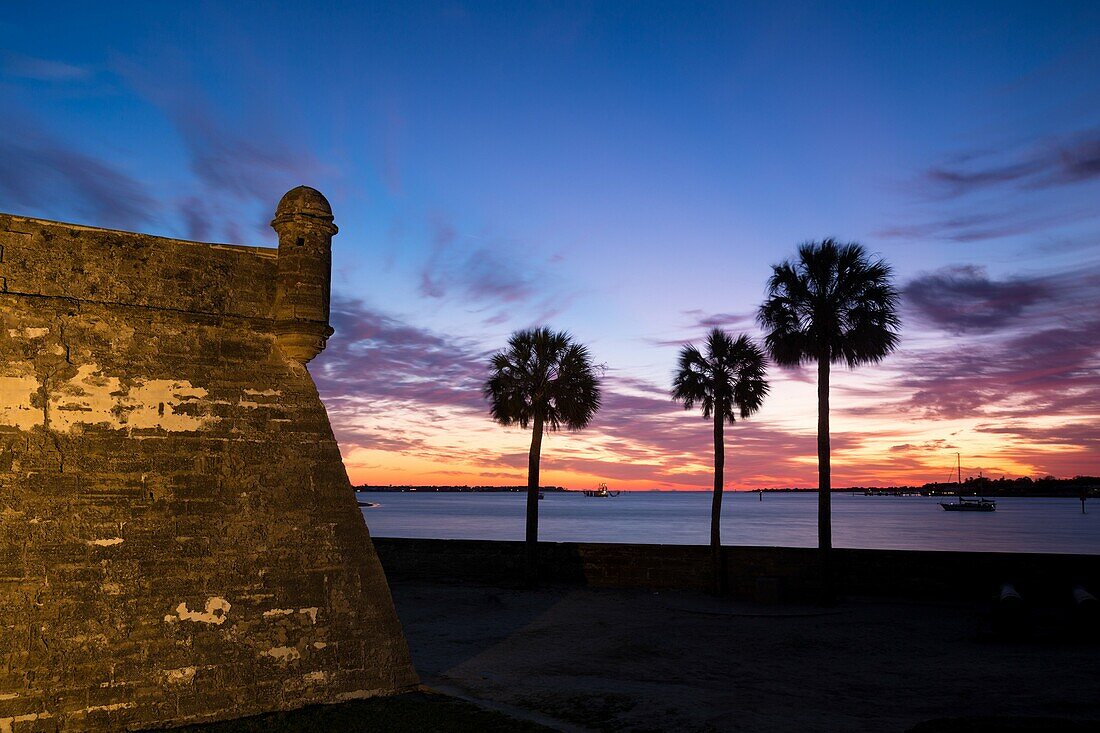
[178,537]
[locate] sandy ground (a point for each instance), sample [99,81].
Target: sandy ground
[585,659]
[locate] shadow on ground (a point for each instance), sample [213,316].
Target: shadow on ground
[411,713]
[1006,725]
[635,660]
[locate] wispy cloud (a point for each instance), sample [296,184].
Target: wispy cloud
[38,69]
[254,166]
[702,320]
[37,169]
[991,193]
[960,180]
[496,275]
[981,226]
[194,213]
[1052,162]
[698,322]
[234,161]
[376,357]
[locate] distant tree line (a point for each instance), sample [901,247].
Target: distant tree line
[1023,486]
[457,489]
[974,485]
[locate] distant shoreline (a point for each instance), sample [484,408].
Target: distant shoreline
[1074,488]
[459,489]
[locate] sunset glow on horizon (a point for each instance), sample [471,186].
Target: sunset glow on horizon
[628,173]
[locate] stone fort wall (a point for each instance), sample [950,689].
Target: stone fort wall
[178,537]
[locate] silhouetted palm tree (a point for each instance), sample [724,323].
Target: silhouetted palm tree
[543,380]
[832,304]
[726,382]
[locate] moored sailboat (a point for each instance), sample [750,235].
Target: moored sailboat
[965,504]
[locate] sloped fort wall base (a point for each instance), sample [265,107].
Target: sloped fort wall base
[178,537]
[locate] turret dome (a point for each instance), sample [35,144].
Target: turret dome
[303,201]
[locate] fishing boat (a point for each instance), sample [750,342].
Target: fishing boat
[964,504]
[601,492]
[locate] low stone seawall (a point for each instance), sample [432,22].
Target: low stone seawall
[768,574]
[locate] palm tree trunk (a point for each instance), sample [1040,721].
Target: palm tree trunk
[717,567]
[824,480]
[532,539]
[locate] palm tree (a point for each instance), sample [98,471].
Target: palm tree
[728,381]
[545,380]
[832,304]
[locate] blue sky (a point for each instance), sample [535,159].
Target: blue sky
[627,171]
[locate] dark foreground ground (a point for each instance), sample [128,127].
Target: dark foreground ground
[575,659]
[587,659]
[412,713]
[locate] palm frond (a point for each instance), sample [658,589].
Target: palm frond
[832,301]
[543,373]
[729,378]
[689,383]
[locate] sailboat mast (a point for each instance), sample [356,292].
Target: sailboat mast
[958,460]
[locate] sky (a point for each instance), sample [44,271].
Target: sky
[626,171]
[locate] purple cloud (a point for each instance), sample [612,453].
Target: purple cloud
[985,182]
[376,357]
[651,430]
[1026,347]
[477,272]
[193,211]
[376,362]
[1052,162]
[1079,161]
[706,321]
[963,298]
[1084,437]
[980,227]
[959,181]
[37,169]
[254,162]
[699,321]
[1044,364]
[240,165]
[1047,372]
[936,447]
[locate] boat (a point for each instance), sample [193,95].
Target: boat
[541,496]
[363,503]
[601,492]
[969,505]
[964,504]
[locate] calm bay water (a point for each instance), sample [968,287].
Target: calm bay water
[788,520]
